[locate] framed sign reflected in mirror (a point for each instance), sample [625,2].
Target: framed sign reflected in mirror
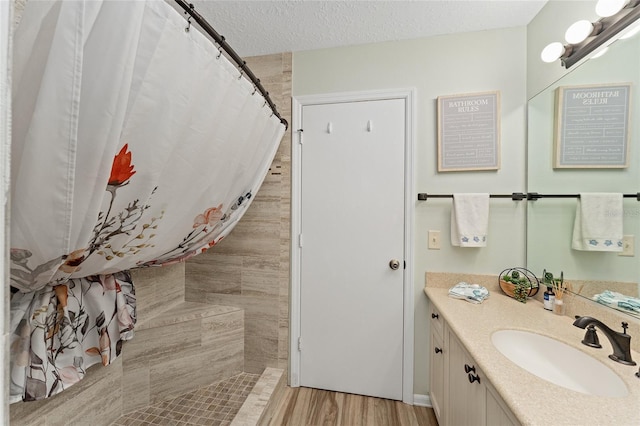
[550,222]
[592,126]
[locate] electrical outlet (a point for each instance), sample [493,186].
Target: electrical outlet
[628,246]
[434,240]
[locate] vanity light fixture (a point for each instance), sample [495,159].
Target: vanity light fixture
[632,32]
[600,53]
[585,37]
[579,31]
[606,8]
[554,51]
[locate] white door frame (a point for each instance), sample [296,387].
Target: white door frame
[408,95]
[6,46]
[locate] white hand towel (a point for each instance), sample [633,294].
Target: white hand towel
[469,220]
[598,224]
[473,293]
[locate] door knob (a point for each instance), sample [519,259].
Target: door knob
[394,264]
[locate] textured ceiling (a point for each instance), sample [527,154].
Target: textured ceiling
[263,27]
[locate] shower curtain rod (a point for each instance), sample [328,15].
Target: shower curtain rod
[519,196]
[240,63]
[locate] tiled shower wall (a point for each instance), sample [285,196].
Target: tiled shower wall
[250,267]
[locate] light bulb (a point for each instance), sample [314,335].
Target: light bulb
[578,32]
[630,33]
[552,52]
[600,53]
[606,8]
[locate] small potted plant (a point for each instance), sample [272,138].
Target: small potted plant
[519,283]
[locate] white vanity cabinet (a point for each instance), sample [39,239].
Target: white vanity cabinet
[467,387]
[497,413]
[436,366]
[459,391]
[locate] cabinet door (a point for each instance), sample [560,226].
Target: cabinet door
[436,321]
[466,399]
[497,412]
[436,375]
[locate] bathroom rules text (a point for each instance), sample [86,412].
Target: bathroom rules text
[469,132]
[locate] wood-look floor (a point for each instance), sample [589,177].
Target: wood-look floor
[311,407]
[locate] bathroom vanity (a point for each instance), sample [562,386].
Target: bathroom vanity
[455,377]
[471,382]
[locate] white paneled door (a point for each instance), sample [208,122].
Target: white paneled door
[352,240]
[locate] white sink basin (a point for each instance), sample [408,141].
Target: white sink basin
[558,363]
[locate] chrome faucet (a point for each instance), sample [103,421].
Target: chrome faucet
[620,342]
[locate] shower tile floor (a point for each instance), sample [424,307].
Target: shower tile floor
[216,404]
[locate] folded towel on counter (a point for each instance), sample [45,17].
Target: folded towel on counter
[469,220]
[473,293]
[618,301]
[598,223]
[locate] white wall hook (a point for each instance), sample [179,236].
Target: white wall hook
[369,126]
[329,127]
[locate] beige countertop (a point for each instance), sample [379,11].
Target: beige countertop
[532,400]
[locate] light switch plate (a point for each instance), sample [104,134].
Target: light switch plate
[628,246]
[434,240]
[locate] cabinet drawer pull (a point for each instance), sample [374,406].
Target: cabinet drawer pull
[438,350]
[435,316]
[473,378]
[469,369]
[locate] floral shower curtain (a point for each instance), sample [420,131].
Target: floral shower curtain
[135,143]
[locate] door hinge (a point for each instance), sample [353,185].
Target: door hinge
[300,131]
[299,343]
[300,240]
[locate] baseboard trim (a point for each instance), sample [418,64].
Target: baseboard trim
[421,400]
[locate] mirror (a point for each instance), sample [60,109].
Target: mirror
[550,220]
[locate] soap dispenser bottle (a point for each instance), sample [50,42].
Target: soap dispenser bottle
[549,296]
[549,299]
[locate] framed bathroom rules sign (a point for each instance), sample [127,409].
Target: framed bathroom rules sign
[469,132]
[592,126]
